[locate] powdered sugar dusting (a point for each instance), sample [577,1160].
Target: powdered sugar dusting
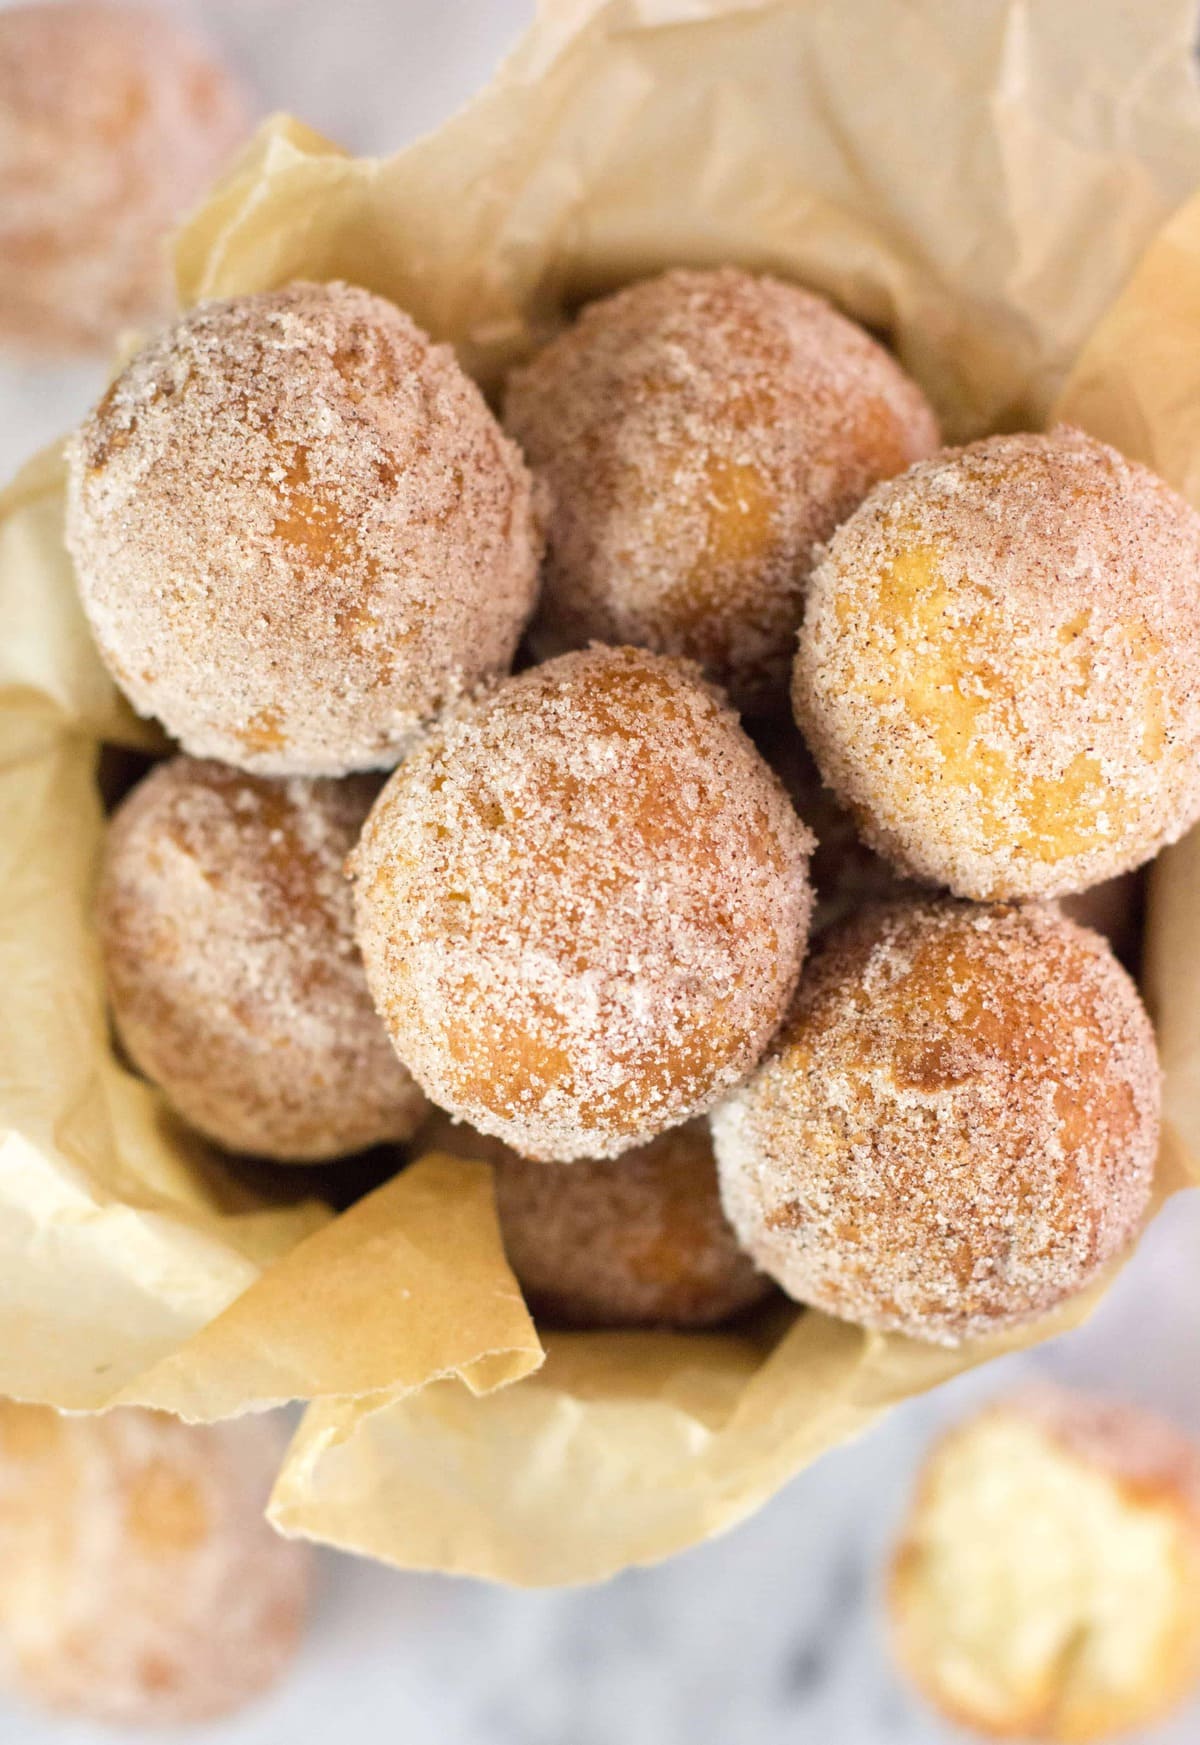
[582,904]
[958,1126]
[999,669]
[227,932]
[299,531]
[698,433]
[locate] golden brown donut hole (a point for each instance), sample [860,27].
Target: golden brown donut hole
[1047,1581]
[116,119]
[139,1583]
[226,928]
[998,668]
[698,433]
[298,531]
[582,904]
[956,1128]
[634,1241]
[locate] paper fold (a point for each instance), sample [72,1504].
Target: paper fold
[623,1449]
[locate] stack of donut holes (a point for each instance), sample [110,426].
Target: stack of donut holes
[575,916]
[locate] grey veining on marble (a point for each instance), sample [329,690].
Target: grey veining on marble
[771,1635]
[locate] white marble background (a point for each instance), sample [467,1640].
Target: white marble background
[772,1635]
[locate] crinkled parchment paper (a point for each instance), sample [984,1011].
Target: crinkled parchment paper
[986,185]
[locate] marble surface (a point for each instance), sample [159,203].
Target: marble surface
[773,1633]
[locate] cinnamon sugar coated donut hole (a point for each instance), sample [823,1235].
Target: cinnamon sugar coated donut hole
[1047,1581]
[698,433]
[299,531]
[582,904]
[139,1583]
[226,928]
[956,1129]
[633,1241]
[114,119]
[999,669]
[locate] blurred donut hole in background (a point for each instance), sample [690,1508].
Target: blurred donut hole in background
[116,118]
[139,1582]
[117,115]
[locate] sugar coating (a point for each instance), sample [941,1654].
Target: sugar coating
[139,1583]
[956,1129]
[226,928]
[1047,1583]
[582,904]
[699,433]
[999,668]
[299,532]
[634,1241]
[115,119]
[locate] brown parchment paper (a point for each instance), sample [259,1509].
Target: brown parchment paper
[980,183]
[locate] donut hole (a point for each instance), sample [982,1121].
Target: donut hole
[1041,1591]
[299,532]
[996,669]
[636,1241]
[579,902]
[235,986]
[116,120]
[697,435]
[957,1126]
[139,1583]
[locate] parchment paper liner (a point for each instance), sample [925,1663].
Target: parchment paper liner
[978,183]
